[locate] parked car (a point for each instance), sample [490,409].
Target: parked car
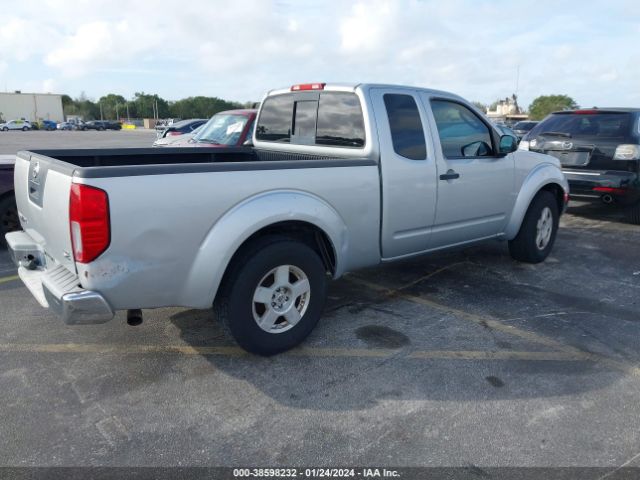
[181,127]
[504,130]
[65,126]
[524,127]
[100,125]
[600,153]
[165,122]
[49,125]
[23,125]
[224,129]
[8,211]
[183,140]
[229,128]
[341,177]
[44,125]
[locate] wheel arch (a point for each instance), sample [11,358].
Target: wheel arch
[546,177]
[292,214]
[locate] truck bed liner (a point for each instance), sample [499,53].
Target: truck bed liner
[126,162]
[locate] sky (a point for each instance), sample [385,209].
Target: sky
[239,49]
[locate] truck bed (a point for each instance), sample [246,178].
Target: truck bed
[175,215]
[118,157]
[122,162]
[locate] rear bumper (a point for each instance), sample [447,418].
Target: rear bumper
[624,186]
[55,287]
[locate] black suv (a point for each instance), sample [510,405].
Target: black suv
[524,127]
[101,125]
[599,150]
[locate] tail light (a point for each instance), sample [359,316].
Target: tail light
[173,133]
[89,222]
[627,152]
[615,191]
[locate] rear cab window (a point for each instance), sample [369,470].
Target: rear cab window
[324,118]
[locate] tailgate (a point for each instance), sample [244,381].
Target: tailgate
[570,153]
[42,187]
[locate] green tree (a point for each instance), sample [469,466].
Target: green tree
[113,106]
[200,107]
[143,106]
[545,104]
[82,106]
[479,105]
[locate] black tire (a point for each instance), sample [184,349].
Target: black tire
[525,247]
[633,214]
[5,129]
[24,129]
[8,217]
[100,129]
[235,305]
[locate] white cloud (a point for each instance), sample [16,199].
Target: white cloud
[368,25]
[240,49]
[49,85]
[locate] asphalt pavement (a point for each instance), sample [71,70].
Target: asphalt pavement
[465,358]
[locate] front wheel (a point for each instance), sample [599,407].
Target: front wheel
[5,129]
[538,230]
[273,295]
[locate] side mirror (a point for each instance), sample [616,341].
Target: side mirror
[248,143]
[476,149]
[508,144]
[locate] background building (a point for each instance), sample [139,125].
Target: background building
[31,106]
[507,111]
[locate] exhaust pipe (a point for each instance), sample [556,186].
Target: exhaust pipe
[608,199]
[134,317]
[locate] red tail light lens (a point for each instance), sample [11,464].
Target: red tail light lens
[615,191]
[308,86]
[89,222]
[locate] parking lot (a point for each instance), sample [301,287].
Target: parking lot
[459,359]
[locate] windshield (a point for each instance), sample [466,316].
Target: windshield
[223,129]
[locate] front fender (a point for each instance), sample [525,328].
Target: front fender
[248,217]
[543,174]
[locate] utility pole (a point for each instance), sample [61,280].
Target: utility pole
[515,95]
[117,115]
[128,117]
[101,118]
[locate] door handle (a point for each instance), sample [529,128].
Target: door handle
[450,175]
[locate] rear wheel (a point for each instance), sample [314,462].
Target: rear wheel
[538,230]
[24,129]
[633,214]
[273,295]
[8,217]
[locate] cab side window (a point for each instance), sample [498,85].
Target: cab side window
[462,133]
[407,134]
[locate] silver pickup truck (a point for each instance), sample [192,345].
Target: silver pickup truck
[340,177]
